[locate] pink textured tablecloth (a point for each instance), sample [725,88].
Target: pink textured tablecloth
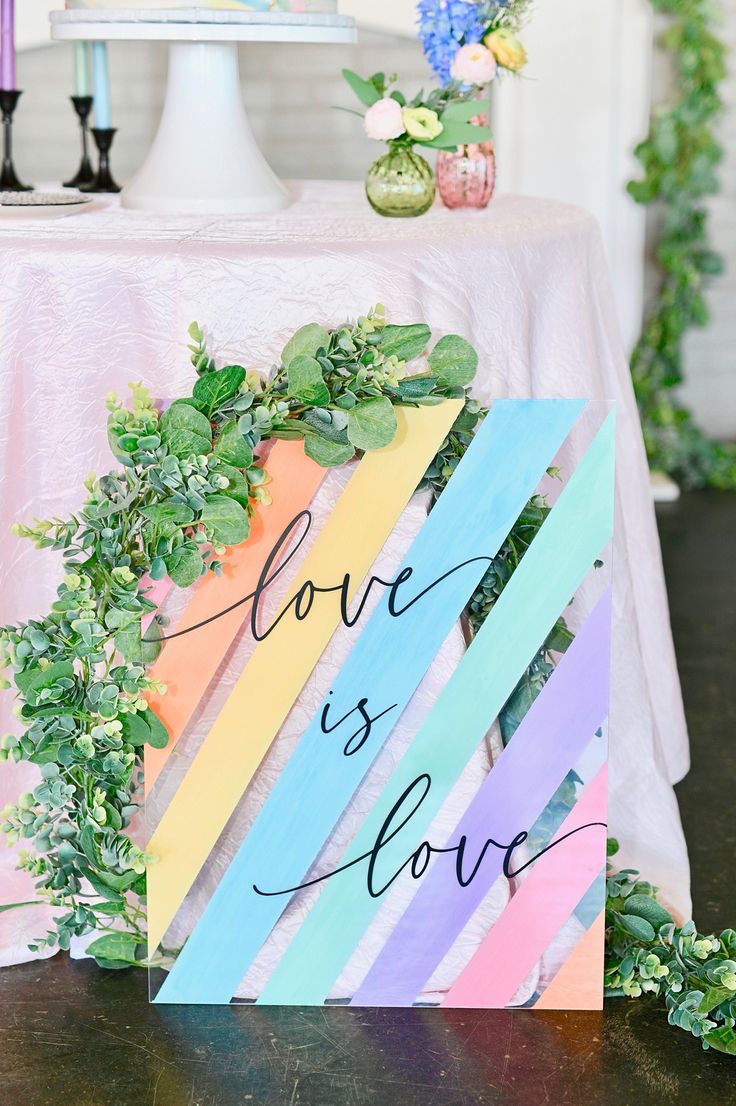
[92,301]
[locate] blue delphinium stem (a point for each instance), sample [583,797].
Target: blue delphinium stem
[445,25]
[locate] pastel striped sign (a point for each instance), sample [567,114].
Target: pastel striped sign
[344,838]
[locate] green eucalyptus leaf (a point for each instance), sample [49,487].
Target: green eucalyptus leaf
[327,453]
[185,430]
[404,342]
[327,424]
[237,488]
[102,888]
[458,134]
[136,730]
[415,387]
[167,518]
[462,111]
[116,881]
[647,907]
[33,680]
[636,926]
[372,423]
[722,1040]
[184,564]
[89,846]
[453,361]
[232,448]
[159,735]
[714,996]
[307,340]
[225,520]
[115,949]
[139,649]
[306,382]
[366,92]
[117,439]
[214,389]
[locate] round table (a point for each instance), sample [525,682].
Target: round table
[93,301]
[204,157]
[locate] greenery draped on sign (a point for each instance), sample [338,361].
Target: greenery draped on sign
[187,484]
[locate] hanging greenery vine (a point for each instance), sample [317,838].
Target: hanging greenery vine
[679,158]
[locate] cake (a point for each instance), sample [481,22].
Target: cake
[265,7]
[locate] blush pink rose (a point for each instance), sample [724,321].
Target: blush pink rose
[474,64]
[384,120]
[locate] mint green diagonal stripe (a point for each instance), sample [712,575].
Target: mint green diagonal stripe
[552,569]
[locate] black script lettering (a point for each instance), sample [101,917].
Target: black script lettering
[418,861]
[303,602]
[357,740]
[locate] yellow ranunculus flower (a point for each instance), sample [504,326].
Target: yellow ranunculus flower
[422,124]
[506,49]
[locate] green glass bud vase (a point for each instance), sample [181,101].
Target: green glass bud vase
[400,184]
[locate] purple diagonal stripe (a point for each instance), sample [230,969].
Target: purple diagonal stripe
[553,734]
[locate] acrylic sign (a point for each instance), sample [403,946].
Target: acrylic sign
[332,821]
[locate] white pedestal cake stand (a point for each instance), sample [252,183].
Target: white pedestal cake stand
[204,158]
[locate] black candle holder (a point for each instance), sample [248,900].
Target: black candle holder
[103,179]
[85,174]
[9,182]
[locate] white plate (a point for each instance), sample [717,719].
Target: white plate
[41,205]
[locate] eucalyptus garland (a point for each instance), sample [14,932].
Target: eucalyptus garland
[679,158]
[187,484]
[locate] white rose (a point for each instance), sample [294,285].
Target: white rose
[384,120]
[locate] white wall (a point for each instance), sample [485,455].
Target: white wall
[397,16]
[567,128]
[32,21]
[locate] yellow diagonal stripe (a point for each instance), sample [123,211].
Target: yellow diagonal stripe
[349,542]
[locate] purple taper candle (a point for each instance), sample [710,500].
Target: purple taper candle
[7,44]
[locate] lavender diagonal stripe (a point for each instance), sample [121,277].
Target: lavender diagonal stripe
[551,737]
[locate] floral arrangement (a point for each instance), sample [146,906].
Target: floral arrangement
[401,183]
[440,120]
[470,40]
[187,484]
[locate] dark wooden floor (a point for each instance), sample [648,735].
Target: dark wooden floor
[71,1035]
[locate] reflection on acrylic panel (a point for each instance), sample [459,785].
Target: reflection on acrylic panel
[338,816]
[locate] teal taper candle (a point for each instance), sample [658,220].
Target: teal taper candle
[101,85]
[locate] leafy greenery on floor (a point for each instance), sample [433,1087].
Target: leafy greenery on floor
[647,953]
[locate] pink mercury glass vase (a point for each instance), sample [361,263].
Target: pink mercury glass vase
[466,177]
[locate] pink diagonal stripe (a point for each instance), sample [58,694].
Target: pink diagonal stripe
[539,909]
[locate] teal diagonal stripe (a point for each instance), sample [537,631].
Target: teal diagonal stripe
[550,572]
